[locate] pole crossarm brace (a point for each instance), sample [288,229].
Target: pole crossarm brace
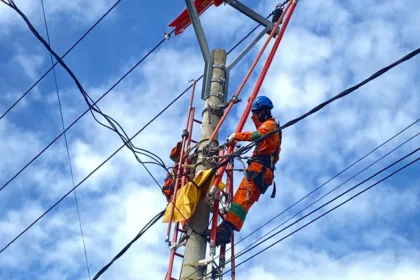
[205,50]
[252,14]
[247,49]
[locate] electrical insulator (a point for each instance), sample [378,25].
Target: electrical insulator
[278,11]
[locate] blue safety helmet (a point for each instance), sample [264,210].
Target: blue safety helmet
[262,102]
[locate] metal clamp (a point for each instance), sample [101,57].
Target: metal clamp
[218,111]
[221,81]
[167,36]
[185,133]
[219,95]
[220,66]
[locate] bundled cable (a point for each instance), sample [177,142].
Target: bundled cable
[338,96]
[93,107]
[243,150]
[249,248]
[62,57]
[106,160]
[332,178]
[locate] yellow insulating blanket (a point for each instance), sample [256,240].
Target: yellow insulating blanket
[188,197]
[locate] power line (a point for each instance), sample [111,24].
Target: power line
[122,252]
[66,142]
[322,185]
[407,57]
[340,185]
[113,125]
[322,215]
[99,166]
[335,176]
[146,125]
[109,90]
[78,118]
[62,57]
[113,154]
[248,147]
[332,200]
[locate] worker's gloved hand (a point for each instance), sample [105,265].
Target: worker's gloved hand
[231,138]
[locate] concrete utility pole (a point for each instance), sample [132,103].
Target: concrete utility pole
[195,248]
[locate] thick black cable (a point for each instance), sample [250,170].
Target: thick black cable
[84,113]
[282,212]
[99,166]
[249,248]
[62,57]
[322,105]
[322,215]
[278,215]
[334,189]
[114,125]
[122,252]
[330,201]
[109,90]
[113,154]
[332,178]
[66,142]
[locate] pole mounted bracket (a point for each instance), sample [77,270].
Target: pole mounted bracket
[252,14]
[191,15]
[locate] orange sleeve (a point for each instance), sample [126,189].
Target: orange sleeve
[265,128]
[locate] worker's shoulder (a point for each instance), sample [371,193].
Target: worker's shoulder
[270,124]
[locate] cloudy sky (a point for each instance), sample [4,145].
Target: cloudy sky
[329,46]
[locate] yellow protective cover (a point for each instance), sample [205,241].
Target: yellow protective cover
[189,196]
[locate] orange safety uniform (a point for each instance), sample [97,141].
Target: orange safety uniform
[169,185]
[260,172]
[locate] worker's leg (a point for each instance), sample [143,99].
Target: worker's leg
[240,205]
[238,211]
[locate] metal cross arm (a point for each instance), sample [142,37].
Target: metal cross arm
[184,20]
[252,14]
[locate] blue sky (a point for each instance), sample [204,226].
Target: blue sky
[328,47]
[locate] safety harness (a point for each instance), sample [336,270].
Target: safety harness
[267,161]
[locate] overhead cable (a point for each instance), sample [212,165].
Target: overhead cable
[334,189]
[109,90]
[324,214]
[78,118]
[338,174]
[316,189]
[337,197]
[247,147]
[113,125]
[62,57]
[99,166]
[124,250]
[66,142]
[96,169]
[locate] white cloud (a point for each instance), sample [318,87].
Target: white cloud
[82,12]
[320,56]
[30,64]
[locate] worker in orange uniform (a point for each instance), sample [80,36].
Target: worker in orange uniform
[260,172]
[169,185]
[170,180]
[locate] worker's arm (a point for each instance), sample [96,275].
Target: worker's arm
[255,135]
